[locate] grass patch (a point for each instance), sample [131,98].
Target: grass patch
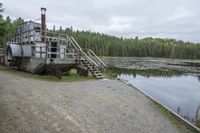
[182,126]
[109,73]
[198,123]
[71,75]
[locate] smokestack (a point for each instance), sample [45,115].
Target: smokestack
[43,23]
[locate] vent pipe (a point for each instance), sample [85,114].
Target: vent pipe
[43,23]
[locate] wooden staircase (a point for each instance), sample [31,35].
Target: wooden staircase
[89,60]
[94,70]
[40,68]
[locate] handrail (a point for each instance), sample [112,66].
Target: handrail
[97,57]
[77,48]
[76,43]
[28,31]
[90,52]
[80,49]
[31,33]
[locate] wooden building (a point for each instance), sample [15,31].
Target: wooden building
[35,50]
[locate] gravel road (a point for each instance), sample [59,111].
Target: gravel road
[96,106]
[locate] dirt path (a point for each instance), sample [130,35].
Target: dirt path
[95,106]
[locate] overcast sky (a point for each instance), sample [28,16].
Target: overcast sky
[179,19]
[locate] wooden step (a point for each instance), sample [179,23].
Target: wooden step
[93,69]
[96,71]
[89,64]
[99,77]
[98,74]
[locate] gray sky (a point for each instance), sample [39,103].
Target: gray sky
[179,19]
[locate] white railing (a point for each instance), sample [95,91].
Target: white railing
[72,40]
[35,36]
[97,58]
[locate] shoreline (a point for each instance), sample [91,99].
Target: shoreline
[162,64]
[162,105]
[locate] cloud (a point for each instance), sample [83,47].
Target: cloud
[129,18]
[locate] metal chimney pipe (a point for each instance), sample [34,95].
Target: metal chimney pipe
[43,23]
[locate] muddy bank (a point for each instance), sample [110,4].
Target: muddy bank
[96,106]
[188,66]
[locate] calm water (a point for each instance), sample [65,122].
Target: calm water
[173,91]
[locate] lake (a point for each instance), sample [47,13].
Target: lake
[171,89]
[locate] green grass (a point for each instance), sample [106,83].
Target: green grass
[181,126]
[73,76]
[198,123]
[70,77]
[108,73]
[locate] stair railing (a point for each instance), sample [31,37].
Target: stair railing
[97,58]
[75,44]
[92,54]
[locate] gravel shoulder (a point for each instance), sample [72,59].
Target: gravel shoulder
[94,106]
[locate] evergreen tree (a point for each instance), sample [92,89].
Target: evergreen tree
[1,10]
[105,45]
[3,26]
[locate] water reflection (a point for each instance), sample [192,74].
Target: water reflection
[147,73]
[173,89]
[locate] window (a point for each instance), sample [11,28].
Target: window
[33,51]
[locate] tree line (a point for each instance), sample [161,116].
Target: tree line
[106,45]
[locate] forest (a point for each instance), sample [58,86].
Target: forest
[107,45]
